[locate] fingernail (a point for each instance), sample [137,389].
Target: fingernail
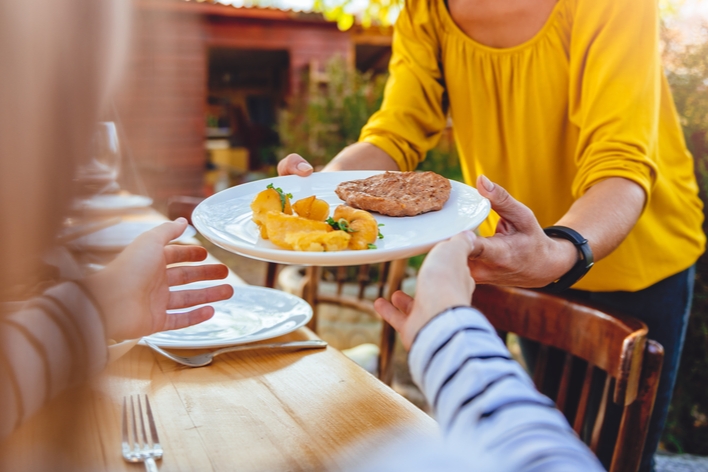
[304,167]
[488,185]
[470,235]
[181,219]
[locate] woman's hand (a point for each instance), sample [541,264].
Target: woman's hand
[443,282]
[133,290]
[519,254]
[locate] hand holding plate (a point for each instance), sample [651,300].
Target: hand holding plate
[443,282]
[519,254]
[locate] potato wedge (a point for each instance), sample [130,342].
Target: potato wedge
[318,241]
[266,201]
[279,225]
[312,208]
[361,225]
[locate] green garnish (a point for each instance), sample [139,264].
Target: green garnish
[372,246]
[381,236]
[341,225]
[282,195]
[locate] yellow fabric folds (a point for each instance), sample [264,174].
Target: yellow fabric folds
[583,100]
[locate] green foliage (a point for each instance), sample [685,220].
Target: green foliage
[320,123]
[376,12]
[687,424]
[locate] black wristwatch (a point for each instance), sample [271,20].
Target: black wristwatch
[585,258]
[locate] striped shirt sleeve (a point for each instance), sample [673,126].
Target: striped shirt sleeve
[491,417]
[53,342]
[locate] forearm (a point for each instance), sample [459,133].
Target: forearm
[482,398]
[55,341]
[361,156]
[606,214]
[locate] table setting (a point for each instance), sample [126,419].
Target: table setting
[276,397]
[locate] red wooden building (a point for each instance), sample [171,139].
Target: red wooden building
[193,64]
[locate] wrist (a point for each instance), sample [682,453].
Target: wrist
[563,256]
[96,285]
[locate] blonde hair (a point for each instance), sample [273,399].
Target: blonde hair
[58,61]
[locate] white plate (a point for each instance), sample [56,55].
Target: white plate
[118,350]
[114,203]
[251,314]
[226,220]
[117,237]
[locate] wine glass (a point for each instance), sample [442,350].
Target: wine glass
[101,173]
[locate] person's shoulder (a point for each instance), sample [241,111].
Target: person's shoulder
[421,10]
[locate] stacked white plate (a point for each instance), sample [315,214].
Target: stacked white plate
[117,237]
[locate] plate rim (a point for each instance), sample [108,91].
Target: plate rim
[247,339]
[327,259]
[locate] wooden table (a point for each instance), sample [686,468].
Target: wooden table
[252,411]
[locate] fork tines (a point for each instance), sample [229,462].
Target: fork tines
[135,434]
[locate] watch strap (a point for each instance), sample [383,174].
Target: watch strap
[581,267]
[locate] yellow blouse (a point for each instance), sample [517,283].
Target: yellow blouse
[583,100]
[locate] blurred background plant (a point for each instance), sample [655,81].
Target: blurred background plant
[329,115]
[686,65]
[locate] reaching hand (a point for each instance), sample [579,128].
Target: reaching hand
[133,290]
[294,164]
[519,254]
[443,282]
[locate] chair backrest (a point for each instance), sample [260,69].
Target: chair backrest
[385,277]
[606,351]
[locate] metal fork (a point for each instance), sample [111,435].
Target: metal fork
[141,450]
[201,360]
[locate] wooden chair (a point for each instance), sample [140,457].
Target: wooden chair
[610,349]
[389,279]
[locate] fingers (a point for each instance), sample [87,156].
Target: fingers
[490,249]
[516,213]
[450,254]
[402,301]
[391,314]
[187,298]
[182,320]
[166,232]
[175,253]
[294,164]
[188,274]
[463,242]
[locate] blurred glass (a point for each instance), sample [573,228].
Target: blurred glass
[101,173]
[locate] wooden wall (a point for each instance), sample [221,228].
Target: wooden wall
[304,41]
[162,100]
[161,103]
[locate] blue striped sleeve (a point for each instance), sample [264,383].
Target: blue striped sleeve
[485,402]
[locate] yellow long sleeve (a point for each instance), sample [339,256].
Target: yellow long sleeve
[412,116]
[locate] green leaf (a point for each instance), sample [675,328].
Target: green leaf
[283,201]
